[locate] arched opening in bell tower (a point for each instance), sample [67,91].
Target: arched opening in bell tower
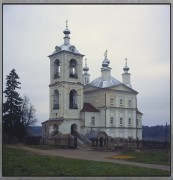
[73,99]
[73,68]
[56,100]
[56,69]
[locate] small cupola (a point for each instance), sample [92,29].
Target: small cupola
[105,68]
[86,76]
[66,33]
[126,68]
[126,75]
[85,69]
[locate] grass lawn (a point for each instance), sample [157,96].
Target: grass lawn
[42,147]
[18,162]
[161,156]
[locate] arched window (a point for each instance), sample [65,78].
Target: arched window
[56,100]
[56,69]
[73,68]
[73,99]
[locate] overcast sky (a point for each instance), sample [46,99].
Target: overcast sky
[139,32]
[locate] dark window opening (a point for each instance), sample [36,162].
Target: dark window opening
[56,100]
[73,69]
[56,69]
[73,100]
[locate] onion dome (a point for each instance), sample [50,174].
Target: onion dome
[66,31]
[126,68]
[106,62]
[86,67]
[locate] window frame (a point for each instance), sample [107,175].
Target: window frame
[112,121]
[56,99]
[93,120]
[129,103]
[111,101]
[121,102]
[121,121]
[130,122]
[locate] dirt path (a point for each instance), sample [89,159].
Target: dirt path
[90,155]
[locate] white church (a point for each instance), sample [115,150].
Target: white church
[102,108]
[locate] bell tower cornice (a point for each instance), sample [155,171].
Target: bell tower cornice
[64,51]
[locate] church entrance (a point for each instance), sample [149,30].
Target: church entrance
[102,139]
[101,142]
[74,129]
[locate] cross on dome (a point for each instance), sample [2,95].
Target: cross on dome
[126,68]
[86,69]
[66,24]
[106,54]
[106,62]
[126,61]
[85,61]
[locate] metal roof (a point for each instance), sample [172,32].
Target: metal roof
[89,108]
[104,84]
[66,47]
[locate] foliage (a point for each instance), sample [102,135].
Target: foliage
[158,132]
[18,162]
[28,116]
[18,114]
[12,125]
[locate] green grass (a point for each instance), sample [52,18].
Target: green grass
[42,147]
[18,162]
[161,156]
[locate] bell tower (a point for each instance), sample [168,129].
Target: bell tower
[66,83]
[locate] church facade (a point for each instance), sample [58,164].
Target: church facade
[76,105]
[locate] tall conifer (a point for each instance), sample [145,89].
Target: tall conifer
[12,125]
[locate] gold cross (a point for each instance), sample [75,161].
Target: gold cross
[105,54]
[126,61]
[66,24]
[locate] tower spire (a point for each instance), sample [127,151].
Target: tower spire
[106,62]
[126,61]
[106,70]
[86,76]
[126,68]
[85,61]
[126,75]
[106,54]
[66,32]
[66,24]
[85,69]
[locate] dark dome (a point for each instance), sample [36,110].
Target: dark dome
[66,31]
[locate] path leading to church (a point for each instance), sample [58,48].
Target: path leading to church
[91,155]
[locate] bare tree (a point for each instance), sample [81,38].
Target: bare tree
[28,117]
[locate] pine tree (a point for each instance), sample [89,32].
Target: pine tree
[12,126]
